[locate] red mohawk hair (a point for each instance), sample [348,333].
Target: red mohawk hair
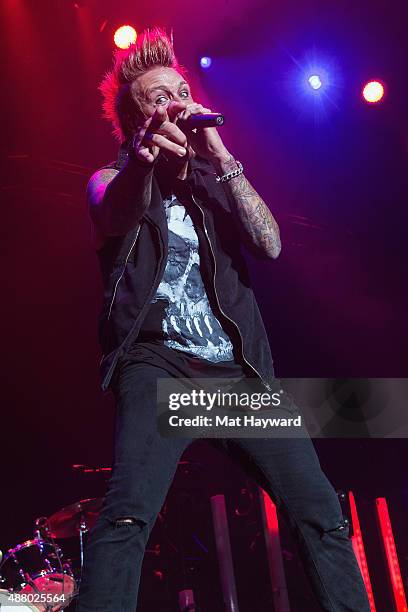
[152,48]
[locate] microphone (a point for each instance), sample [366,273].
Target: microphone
[201,120]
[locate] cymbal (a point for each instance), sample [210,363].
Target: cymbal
[66,522]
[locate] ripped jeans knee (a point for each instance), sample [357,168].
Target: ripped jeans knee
[342,528]
[129,522]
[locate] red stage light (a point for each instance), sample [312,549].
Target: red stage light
[274,551]
[359,550]
[125,36]
[373,91]
[394,572]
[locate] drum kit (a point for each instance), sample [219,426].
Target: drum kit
[34,576]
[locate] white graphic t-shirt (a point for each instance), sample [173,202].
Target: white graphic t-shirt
[181,305]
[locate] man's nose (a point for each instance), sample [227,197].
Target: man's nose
[175,107]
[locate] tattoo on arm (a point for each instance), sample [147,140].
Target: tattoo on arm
[118,199]
[257,222]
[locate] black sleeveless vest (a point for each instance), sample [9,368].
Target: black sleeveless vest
[132,267]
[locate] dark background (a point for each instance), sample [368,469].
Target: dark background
[332,171]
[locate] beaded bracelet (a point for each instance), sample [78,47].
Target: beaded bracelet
[230,175]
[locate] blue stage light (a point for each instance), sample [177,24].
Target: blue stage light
[205,62]
[315,82]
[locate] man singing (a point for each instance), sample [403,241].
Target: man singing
[170,219]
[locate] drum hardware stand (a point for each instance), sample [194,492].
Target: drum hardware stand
[43,529]
[43,533]
[82,531]
[2,580]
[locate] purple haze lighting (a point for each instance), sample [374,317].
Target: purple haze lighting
[205,62]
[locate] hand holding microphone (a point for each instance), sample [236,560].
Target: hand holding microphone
[160,132]
[176,126]
[200,124]
[201,120]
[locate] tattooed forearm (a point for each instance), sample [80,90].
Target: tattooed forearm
[255,218]
[117,200]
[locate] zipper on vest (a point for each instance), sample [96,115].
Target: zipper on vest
[148,301]
[123,271]
[218,301]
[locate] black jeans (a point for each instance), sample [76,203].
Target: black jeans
[144,466]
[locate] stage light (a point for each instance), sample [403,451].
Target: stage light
[205,62]
[315,81]
[373,91]
[394,571]
[314,85]
[359,550]
[125,36]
